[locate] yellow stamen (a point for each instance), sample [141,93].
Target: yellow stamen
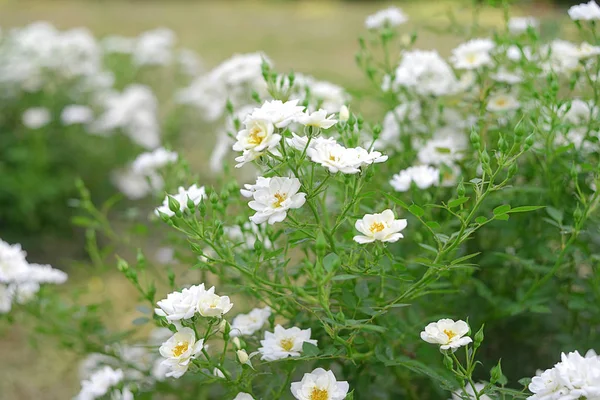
[287,344]
[319,394]
[281,197]
[181,348]
[256,136]
[450,334]
[376,227]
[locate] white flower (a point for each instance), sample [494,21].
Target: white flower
[473,54]
[149,162]
[383,227]
[447,333]
[218,373]
[243,396]
[505,76]
[585,11]
[560,56]
[585,50]
[425,72]
[283,343]
[423,176]
[6,296]
[320,385]
[337,158]
[248,234]
[392,16]
[280,114]
[76,114]
[194,194]
[179,351]
[12,262]
[574,377]
[42,274]
[99,383]
[154,47]
[521,24]
[261,183]
[37,117]
[180,305]
[300,143]
[247,324]
[502,102]
[258,136]
[212,305]
[318,119]
[135,186]
[458,395]
[446,147]
[272,203]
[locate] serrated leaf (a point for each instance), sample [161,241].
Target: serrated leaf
[309,350]
[457,202]
[503,209]
[525,209]
[416,210]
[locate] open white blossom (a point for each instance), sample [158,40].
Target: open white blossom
[283,343]
[447,333]
[589,11]
[425,72]
[180,305]
[36,117]
[320,385]
[179,351]
[99,383]
[257,136]
[302,143]
[194,194]
[213,305]
[423,177]
[391,16]
[272,203]
[473,54]
[247,324]
[318,119]
[574,377]
[337,158]
[502,102]
[76,114]
[261,183]
[384,227]
[518,25]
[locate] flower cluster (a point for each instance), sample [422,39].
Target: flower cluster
[195,299]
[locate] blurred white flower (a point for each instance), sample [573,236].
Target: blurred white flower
[300,143]
[154,47]
[194,194]
[423,176]
[248,234]
[574,377]
[36,117]
[179,351]
[283,343]
[392,16]
[502,102]
[135,186]
[180,305]
[6,297]
[344,114]
[320,385]
[243,396]
[473,54]
[272,203]
[337,158]
[518,25]
[459,395]
[585,11]
[560,56]
[425,72]
[212,305]
[117,44]
[247,324]
[384,227]
[446,147]
[585,50]
[447,333]
[505,76]
[76,114]
[148,163]
[99,383]
[278,113]
[318,119]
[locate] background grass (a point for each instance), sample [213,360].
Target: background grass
[317,38]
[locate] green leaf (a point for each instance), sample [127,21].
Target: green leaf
[331,261]
[368,327]
[481,220]
[525,209]
[362,289]
[416,210]
[396,200]
[502,217]
[503,209]
[344,277]
[458,202]
[555,214]
[433,225]
[309,350]
[524,381]
[464,258]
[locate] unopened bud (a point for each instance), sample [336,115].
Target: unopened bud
[174,205]
[237,343]
[529,142]
[223,325]
[242,356]
[344,114]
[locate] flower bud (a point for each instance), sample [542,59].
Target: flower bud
[485,157]
[460,190]
[512,170]
[237,343]
[529,142]
[242,356]
[223,325]
[174,205]
[321,244]
[478,339]
[475,140]
[191,206]
[344,114]
[214,198]
[448,363]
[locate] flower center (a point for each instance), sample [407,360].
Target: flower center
[256,136]
[287,344]
[501,102]
[450,334]
[376,227]
[319,394]
[181,348]
[281,197]
[471,58]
